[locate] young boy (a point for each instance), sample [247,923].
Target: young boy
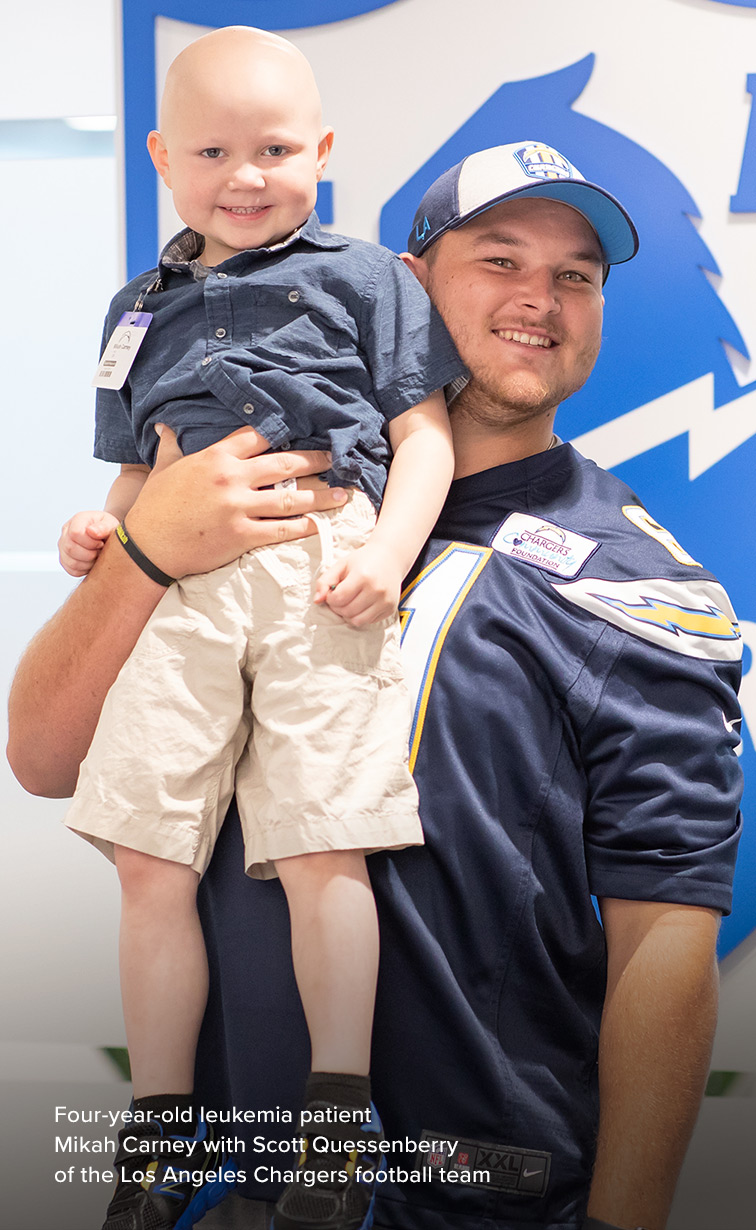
[262,676]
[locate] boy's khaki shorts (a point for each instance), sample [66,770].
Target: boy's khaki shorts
[240,682]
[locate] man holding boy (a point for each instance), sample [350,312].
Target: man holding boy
[568,740]
[278,676]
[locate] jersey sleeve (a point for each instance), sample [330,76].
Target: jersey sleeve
[407,345]
[664,782]
[114,432]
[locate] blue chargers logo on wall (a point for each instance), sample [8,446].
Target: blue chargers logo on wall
[139,18]
[663,408]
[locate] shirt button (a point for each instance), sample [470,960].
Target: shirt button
[222,275]
[249,408]
[220,332]
[293,296]
[206,361]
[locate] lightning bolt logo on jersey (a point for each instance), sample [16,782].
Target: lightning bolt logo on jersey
[559,752]
[573,735]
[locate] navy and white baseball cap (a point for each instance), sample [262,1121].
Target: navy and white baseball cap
[526,168]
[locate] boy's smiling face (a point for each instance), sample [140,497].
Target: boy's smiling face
[241,145]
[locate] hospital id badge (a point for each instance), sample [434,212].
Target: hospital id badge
[121,351]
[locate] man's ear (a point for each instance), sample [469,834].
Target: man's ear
[159,155]
[325,145]
[418,266]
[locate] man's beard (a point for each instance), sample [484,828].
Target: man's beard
[490,404]
[497,400]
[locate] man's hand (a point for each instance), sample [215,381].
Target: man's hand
[191,516]
[199,512]
[82,538]
[363,587]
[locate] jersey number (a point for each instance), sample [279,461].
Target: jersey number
[427,611]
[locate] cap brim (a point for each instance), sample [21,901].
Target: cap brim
[613,225]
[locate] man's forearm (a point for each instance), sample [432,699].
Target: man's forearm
[655,1047]
[194,516]
[65,674]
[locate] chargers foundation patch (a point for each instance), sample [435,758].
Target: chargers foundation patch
[543,544]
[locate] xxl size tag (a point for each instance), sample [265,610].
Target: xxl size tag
[477,1163]
[543,544]
[121,350]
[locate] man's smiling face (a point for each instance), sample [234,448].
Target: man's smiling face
[519,288]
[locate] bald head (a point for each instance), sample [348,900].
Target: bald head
[241,142]
[242,66]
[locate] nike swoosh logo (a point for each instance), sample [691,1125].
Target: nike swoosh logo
[729,725]
[530,1174]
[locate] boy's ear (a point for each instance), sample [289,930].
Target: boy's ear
[159,155]
[418,267]
[325,144]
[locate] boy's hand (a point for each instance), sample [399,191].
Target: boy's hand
[362,588]
[82,538]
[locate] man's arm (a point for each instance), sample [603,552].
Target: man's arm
[193,516]
[655,1046]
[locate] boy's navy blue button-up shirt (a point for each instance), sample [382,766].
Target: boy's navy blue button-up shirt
[317,343]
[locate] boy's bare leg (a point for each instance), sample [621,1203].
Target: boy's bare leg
[163,971]
[334,929]
[334,943]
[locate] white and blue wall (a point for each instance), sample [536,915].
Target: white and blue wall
[656,99]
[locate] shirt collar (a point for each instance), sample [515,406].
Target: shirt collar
[187,246]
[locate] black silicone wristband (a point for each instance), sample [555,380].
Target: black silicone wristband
[140,559]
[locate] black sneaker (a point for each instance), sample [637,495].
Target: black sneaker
[151,1194]
[345,1200]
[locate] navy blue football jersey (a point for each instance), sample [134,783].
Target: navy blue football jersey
[574,673]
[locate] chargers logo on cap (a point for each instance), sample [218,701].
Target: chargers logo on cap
[543,162]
